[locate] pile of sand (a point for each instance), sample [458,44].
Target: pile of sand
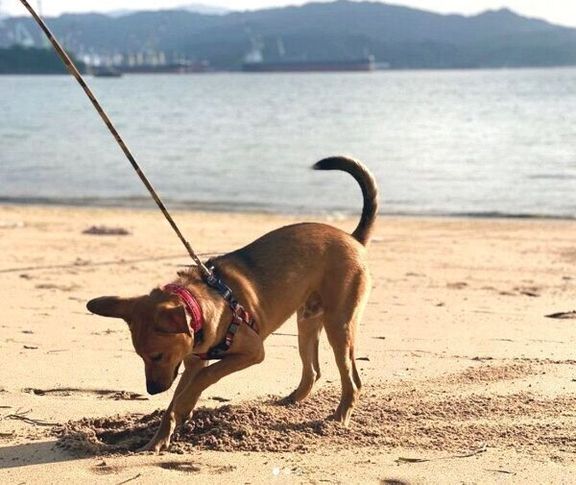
[493,373]
[412,415]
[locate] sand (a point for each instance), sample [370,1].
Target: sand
[466,352]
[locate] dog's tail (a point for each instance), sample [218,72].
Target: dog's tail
[369,191]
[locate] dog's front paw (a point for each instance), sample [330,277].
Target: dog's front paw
[161,440]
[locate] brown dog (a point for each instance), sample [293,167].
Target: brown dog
[313,269]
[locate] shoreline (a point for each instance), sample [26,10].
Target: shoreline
[224,208]
[390,70]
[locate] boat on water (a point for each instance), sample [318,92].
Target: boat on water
[254,61]
[364,64]
[105,71]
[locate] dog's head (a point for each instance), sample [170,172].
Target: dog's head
[160,332]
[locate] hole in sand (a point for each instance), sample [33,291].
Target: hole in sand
[447,414]
[180,467]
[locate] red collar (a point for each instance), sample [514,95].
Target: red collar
[193,308]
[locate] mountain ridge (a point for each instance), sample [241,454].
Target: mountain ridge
[403,37]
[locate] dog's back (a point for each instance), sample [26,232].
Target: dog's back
[295,261]
[312,241]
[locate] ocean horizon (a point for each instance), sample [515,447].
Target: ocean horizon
[147,203]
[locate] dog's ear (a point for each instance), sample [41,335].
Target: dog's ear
[173,319]
[112,306]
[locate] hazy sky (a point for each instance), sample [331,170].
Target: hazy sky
[557,11]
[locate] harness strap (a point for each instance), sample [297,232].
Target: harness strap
[239,315]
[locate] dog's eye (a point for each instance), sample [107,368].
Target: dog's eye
[156,357]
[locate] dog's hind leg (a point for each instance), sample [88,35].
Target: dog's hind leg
[349,377]
[341,322]
[309,328]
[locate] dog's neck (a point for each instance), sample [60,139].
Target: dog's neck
[213,307]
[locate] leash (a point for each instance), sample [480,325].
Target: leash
[239,314]
[210,278]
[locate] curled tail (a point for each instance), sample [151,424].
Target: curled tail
[369,191]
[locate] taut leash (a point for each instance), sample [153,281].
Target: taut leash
[239,314]
[76,73]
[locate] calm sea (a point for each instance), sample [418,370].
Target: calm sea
[451,142]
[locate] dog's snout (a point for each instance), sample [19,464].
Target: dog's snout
[154,388]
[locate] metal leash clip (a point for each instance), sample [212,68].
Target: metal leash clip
[213,281]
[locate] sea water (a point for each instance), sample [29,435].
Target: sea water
[478,142]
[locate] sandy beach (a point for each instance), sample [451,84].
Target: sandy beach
[466,377]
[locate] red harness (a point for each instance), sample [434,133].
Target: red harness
[194,310]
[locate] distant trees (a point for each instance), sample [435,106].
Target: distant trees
[32,60]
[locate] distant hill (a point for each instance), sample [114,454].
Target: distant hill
[406,38]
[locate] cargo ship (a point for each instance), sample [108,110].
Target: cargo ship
[364,64]
[254,61]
